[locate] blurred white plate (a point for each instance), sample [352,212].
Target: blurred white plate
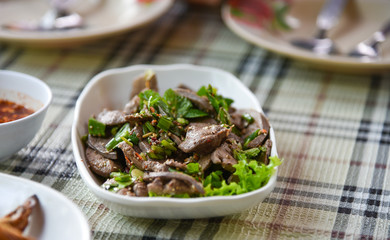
[111,89]
[102,18]
[361,19]
[55,218]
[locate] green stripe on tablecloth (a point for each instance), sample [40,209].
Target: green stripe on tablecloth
[341,222]
[370,226]
[182,229]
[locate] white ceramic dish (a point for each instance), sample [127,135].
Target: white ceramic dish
[55,218]
[30,92]
[360,20]
[111,89]
[102,18]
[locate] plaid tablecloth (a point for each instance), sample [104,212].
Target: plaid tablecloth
[333,131]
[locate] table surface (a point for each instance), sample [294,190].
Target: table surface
[332,130]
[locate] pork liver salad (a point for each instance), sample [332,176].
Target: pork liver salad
[183,143]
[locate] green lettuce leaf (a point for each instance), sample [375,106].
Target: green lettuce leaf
[252,175]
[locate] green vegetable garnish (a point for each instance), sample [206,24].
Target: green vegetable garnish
[126,141]
[195,113]
[214,180]
[96,128]
[122,135]
[220,104]
[248,118]
[114,130]
[170,105]
[133,138]
[84,139]
[155,155]
[251,137]
[178,105]
[136,173]
[165,123]
[223,116]
[252,176]
[193,168]
[157,149]
[168,144]
[150,97]
[122,180]
[150,127]
[183,121]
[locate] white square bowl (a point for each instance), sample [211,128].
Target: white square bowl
[111,89]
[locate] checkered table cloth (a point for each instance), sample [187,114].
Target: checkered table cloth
[333,131]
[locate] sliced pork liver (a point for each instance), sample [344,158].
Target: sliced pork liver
[141,83]
[260,121]
[100,165]
[133,158]
[111,118]
[194,186]
[223,155]
[203,138]
[132,106]
[99,144]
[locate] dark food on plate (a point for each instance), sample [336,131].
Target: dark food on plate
[180,144]
[13,224]
[10,111]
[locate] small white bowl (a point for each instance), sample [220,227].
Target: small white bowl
[30,92]
[111,89]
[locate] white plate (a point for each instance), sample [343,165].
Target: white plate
[111,89]
[359,21]
[102,18]
[55,218]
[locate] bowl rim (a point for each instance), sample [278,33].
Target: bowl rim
[37,81]
[152,201]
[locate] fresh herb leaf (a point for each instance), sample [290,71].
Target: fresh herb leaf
[177,104]
[195,113]
[223,116]
[220,104]
[149,97]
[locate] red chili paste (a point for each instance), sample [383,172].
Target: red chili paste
[10,111]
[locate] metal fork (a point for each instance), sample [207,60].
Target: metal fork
[369,47]
[326,20]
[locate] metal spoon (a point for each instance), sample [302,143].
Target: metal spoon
[326,20]
[56,18]
[369,47]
